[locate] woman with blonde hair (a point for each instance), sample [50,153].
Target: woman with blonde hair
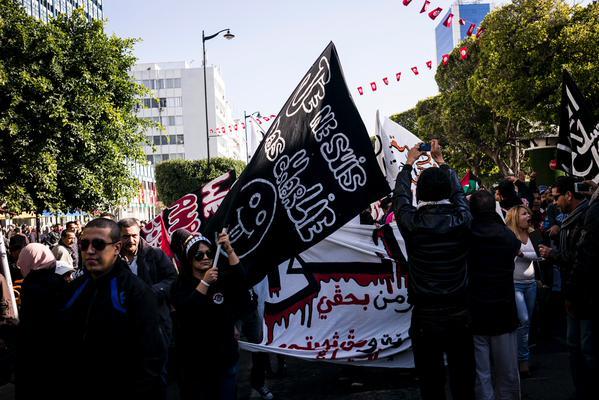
[519,220]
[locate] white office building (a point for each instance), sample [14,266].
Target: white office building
[177,102]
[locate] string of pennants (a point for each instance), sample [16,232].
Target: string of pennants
[221,130]
[433,14]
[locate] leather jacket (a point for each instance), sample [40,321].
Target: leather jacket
[436,237]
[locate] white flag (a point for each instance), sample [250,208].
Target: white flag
[255,136]
[397,141]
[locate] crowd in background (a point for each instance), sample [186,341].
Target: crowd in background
[491,272]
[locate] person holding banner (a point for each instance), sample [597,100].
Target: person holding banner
[205,301]
[437,234]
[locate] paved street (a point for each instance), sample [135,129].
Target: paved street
[310,380]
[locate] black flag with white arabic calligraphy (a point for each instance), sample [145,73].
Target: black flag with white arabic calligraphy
[314,171]
[578,146]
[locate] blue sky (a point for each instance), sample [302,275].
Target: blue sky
[277,41]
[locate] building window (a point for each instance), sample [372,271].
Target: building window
[173,102]
[156,140]
[180,139]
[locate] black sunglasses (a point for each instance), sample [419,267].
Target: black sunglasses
[97,244]
[199,255]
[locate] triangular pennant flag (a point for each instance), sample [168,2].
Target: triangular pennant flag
[578,144]
[398,76]
[464,53]
[373,86]
[406,2]
[435,13]
[360,90]
[424,6]
[445,59]
[386,80]
[314,171]
[429,64]
[480,32]
[415,70]
[462,21]
[471,29]
[448,20]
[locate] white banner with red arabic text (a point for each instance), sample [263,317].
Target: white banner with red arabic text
[343,300]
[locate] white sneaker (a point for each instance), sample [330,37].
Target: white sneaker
[265,393]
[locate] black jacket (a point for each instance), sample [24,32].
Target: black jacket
[205,330]
[436,238]
[42,296]
[493,248]
[114,347]
[570,235]
[156,269]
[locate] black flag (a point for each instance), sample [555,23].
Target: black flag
[578,146]
[314,171]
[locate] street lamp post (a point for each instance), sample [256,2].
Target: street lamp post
[227,36]
[245,124]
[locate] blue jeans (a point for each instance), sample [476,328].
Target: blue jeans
[228,387]
[526,295]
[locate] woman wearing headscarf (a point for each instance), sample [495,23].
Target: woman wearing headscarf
[206,299]
[38,337]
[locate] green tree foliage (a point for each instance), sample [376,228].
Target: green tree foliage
[408,119]
[67,130]
[526,46]
[175,178]
[509,87]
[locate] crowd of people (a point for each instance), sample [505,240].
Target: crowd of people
[105,301]
[476,266]
[487,271]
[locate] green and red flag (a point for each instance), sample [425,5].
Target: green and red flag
[470,183]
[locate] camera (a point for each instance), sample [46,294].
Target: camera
[424,147]
[581,187]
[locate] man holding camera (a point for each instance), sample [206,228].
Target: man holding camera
[436,233]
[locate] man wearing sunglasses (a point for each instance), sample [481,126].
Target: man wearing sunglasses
[115,347]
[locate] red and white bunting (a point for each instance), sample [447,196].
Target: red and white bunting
[448,20]
[398,76]
[480,32]
[464,53]
[425,6]
[462,21]
[373,86]
[386,80]
[361,90]
[429,64]
[406,2]
[221,130]
[471,29]
[435,13]
[445,59]
[415,70]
